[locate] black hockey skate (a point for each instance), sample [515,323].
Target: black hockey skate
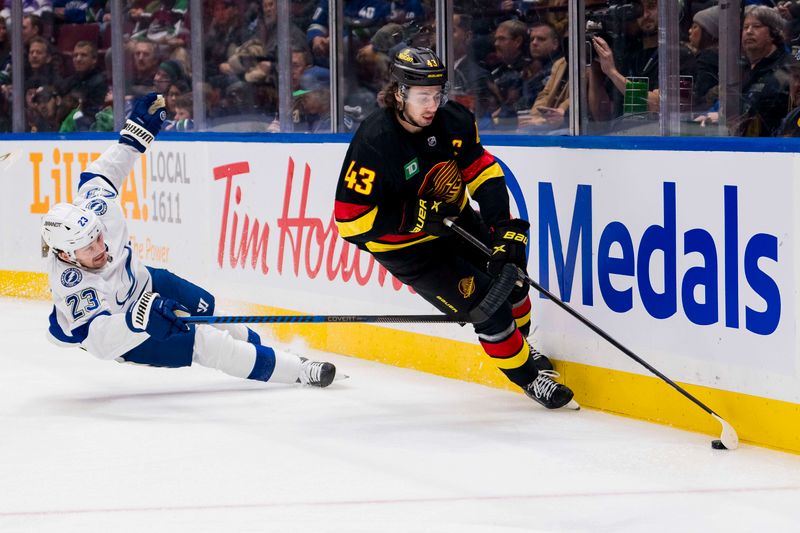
[540,360]
[547,392]
[316,374]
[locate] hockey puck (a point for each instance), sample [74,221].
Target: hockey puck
[717,445]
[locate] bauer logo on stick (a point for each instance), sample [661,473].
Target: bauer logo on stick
[8,159]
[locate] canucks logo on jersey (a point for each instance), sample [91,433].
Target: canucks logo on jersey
[444,181]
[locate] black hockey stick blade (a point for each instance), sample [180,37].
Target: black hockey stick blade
[728,437]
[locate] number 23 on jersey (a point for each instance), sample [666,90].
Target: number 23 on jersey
[361,181]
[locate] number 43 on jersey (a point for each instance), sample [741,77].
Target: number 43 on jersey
[361,181]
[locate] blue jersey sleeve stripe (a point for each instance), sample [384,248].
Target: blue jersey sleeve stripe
[79,334]
[88,176]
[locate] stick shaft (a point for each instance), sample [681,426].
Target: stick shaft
[322,319]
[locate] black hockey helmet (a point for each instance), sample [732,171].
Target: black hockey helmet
[414,66]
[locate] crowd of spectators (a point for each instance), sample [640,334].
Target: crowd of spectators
[521,83]
[628,51]
[510,65]
[66,73]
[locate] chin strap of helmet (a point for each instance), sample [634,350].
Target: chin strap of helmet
[64,256]
[70,257]
[401,115]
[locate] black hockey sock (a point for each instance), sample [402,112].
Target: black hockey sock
[522,375]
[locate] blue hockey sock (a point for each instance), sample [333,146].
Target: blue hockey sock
[264,365]
[253,337]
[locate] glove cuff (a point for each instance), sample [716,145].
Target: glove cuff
[411,217]
[140,312]
[513,223]
[136,135]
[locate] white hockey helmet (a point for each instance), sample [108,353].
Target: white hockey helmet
[68,227]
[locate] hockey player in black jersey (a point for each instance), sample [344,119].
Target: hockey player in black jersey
[408,167]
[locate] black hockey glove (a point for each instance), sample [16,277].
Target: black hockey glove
[428,214]
[144,122]
[509,241]
[157,316]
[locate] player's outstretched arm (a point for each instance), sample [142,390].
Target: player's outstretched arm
[140,130]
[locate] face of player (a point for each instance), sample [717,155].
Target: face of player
[421,104]
[94,255]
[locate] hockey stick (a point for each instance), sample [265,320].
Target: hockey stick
[322,319]
[729,439]
[7,159]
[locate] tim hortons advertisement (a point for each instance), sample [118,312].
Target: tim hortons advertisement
[272,226]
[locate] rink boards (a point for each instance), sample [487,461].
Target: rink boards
[687,257]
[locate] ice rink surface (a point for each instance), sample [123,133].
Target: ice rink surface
[94,446]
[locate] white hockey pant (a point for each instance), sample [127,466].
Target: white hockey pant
[217,348]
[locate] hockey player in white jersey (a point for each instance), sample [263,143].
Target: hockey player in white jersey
[113,306]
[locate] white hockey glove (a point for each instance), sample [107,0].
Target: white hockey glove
[157,316]
[144,122]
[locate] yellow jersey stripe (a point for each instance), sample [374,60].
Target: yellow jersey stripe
[490,172]
[374,246]
[359,225]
